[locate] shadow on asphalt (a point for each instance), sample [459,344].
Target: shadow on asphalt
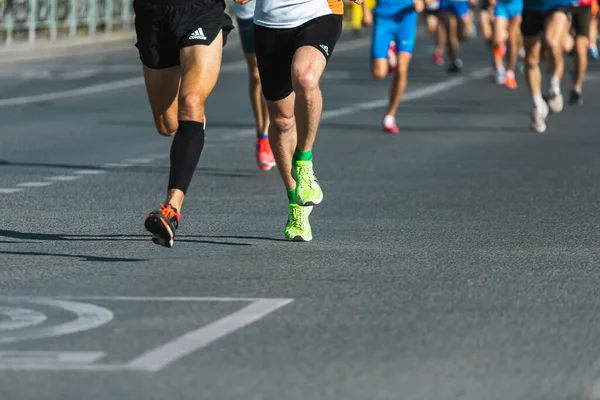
[107,238]
[80,256]
[244,237]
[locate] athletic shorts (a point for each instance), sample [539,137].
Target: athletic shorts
[508,10]
[534,21]
[164,29]
[246,31]
[458,8]
[581,20]
[402,28]
[275,49]
[485,5]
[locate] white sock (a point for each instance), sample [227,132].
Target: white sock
[539,102]
[555,84]
[389,120]
[510,74]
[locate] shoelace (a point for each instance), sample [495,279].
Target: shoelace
[298,217]
[167,211]
[306,176]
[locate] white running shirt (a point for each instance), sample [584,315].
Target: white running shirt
[283,14]
[244,11]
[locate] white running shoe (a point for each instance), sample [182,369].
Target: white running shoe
[500,77]
[555,100]
[538,119]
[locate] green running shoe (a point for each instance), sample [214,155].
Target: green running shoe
[298,227]
[308,191]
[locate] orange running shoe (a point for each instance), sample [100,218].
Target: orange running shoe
[162,224]
[264,154]
[510,80]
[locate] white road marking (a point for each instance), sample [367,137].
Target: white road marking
[62,178]
[20,318]
[88,316]
[65,94]
[92,51]
[75,367]
[34,184]
[161,357]
[151,361]
[351,45]
[45,357]
[9,190]
[138,160]
[167,298]
[80,74]
[117,165]
[90,172]
[33,74]
[408,96]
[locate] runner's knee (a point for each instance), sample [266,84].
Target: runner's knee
[191,107]
[305,79]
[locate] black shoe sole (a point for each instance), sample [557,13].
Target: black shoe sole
[155,224]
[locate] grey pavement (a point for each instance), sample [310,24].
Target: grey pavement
[455,260]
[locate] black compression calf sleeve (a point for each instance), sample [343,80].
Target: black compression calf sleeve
[185,152]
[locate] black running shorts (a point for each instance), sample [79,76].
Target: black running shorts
[484,5]
[275,49]
[581,20]
[163,29]
[533,22]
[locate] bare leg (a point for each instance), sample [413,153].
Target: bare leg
[283,137]
[259,106]
[581,47]
[307,67]
[500,36]
[450,25]
[399,84]
[514,34]
[533,74]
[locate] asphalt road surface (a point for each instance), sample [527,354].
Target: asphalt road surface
[455,260]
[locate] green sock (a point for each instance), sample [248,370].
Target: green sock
[291,196]
[300,155]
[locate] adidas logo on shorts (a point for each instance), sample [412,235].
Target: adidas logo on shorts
[198,35]
[325,48]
